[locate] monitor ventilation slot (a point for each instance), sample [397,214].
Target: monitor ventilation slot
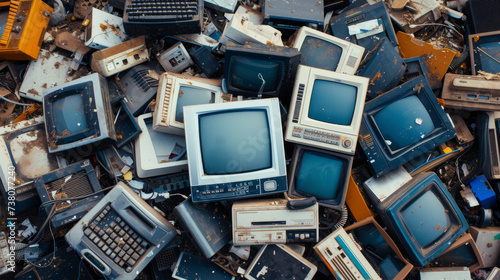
[142,79]
[298,103]
[77,185]
[342,269]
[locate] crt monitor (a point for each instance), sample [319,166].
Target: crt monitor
[247,66]
[235,150]
[78,113]
[325,51]
[319,173]
[364,25]
[423,216]
[158,153]
[402,124]
[326,108]
[176,91]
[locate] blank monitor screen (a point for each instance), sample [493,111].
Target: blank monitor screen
[69,114]
[244,73]
[324,94]
[191,96]
[404,122]
[321,175]
[235,141]
[319,53]
[428,230]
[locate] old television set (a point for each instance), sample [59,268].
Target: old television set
[484,49]
[325,51]
[326,108]
[492,169]
[235,150]
[78,113]
[158,153]
[176,91]
[247,66]
[364,25]
[24,156]
[319,173]
[402,124]
[423,216]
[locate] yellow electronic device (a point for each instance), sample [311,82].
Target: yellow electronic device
[25,26]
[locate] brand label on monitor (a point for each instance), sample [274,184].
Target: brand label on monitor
[238,190]
[270,221]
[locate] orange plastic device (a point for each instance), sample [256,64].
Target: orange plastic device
[25,29]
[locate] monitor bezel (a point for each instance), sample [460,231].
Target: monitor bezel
[89,109]
[295,167]
[390,211]
[193,143]
[168,102]
[348,48]
[289,57]
[307,75]
[105,130]
[443,128]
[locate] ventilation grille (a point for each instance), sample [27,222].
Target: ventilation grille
[143,81]
[77,185]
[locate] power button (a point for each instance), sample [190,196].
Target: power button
[347,143]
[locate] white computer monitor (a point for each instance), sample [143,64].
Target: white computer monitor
[176,91]
[158,153]
[235,150]
[325,51]
[326,109]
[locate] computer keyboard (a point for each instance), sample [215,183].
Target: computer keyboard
[121,234]
[116,239]
[164,17]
